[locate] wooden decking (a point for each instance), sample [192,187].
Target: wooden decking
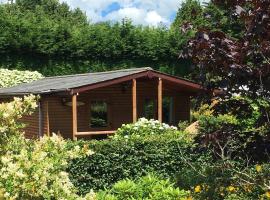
[89,133]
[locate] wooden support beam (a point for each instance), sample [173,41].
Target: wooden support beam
[40,120]
[47,118]
[74,116]
[160,100]
[134,100]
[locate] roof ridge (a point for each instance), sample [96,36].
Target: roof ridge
[105,72]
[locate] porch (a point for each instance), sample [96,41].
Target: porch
[133,102]
[100,111]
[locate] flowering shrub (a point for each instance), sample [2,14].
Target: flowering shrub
[219,179]
[149,187]
[38,170]
[234,183]
[33,169]
[253,181]
[144,127]
[11,78]
[10,113]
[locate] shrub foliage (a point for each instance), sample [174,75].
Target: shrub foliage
[33,169]
[123,158]
[37,171]
[11,78]
[149,187]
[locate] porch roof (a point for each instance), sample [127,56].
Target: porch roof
[83,82]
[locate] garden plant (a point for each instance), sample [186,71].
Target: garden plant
[226,45]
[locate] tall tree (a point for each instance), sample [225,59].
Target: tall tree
[190,11]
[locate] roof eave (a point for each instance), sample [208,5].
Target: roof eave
[34,93]
[149,73]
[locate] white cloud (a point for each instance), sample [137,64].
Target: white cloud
[137,15]
[146,12]
[153,18]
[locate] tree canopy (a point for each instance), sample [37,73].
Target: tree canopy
[236,64]
[50,37]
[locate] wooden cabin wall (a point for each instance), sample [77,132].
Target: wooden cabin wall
[182,108]
[119,100]
[32,125]
[32,122]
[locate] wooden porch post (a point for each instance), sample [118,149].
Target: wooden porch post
[47,118]
[40,119]
[160,100]
[74,116]
[134,100]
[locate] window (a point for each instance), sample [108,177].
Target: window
[99,114]
[149,109]
[167,110]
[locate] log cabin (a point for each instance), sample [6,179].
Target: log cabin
[95,105]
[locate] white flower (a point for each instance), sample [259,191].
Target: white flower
[6,115]
[20,174]
[89,153]
[5,160]
[6,194]
[77,148]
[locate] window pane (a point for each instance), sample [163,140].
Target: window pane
[167,110]
[149,109]
[99,114]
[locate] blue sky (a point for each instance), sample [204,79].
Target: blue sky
[145,12]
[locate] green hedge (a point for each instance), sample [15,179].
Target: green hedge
[119,159]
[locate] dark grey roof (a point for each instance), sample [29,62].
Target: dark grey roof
[65,83]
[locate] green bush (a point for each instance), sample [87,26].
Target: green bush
[182,125]
[209,121]
[243,114]
[122,158]
[210,124]
[237,126]
[149,187]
